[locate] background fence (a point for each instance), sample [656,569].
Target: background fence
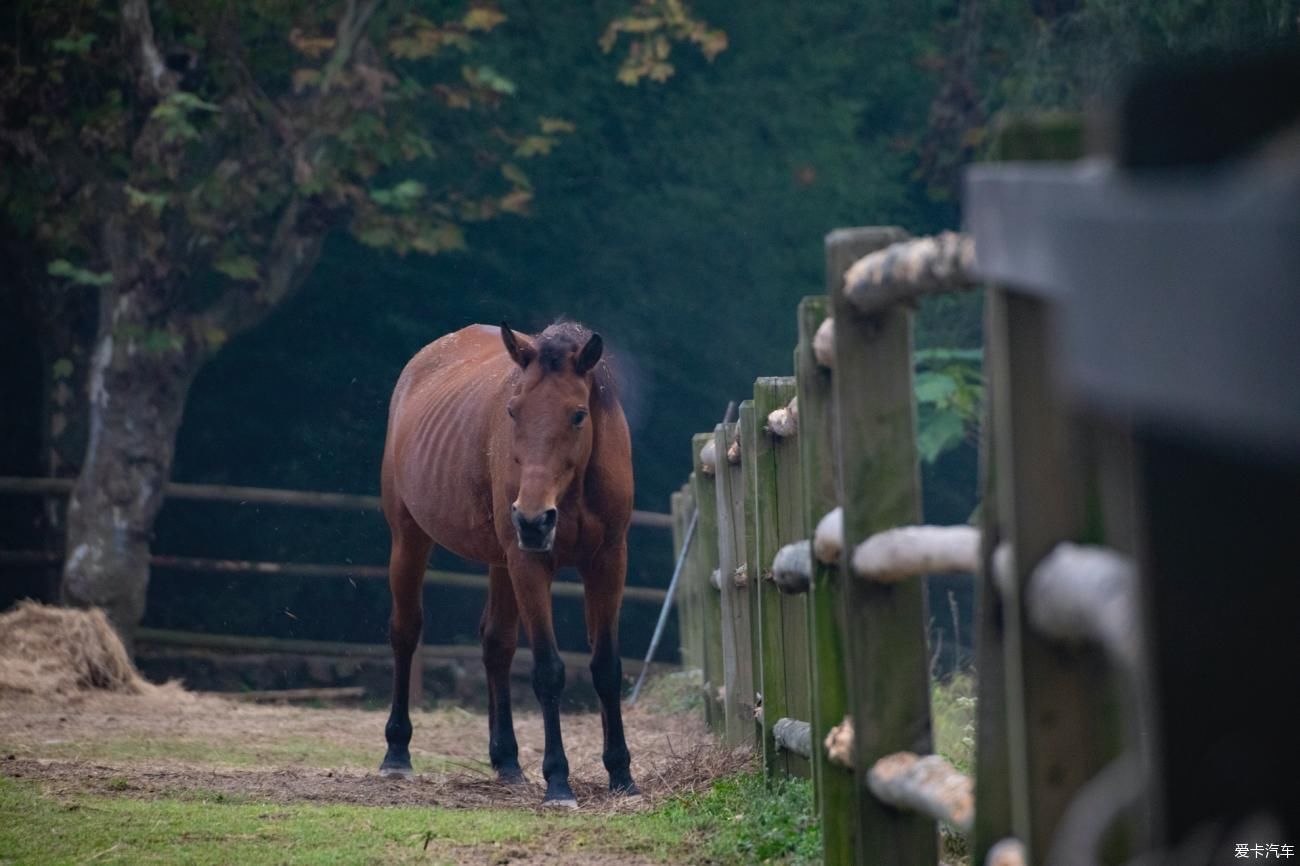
[253,644]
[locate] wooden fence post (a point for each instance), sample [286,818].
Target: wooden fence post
[733,569]
[782,619]
[835,783]
[706,559]
[1062,721]
[888,664]
[749,470]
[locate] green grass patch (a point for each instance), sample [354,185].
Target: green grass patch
[952,704]
[677,692]
[742,819]
[738,821]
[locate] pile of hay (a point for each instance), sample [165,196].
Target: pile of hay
[62,651]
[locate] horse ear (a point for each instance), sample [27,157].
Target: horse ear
[520,347]
[589,355]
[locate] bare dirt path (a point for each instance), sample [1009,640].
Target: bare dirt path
[175,743]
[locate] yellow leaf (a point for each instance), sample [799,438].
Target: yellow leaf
[304,78]
[312,46]
[517,202]
[482,18]
[534,145]
[553,125]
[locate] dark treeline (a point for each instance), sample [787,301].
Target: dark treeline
[682,219]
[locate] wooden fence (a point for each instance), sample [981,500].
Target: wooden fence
[303,499]
[803,601]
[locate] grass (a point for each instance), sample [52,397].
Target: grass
[678,692]
[738,821]
[236,752]
[952,705]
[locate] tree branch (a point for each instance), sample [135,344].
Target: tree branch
[289,258]
[156,81]
[350,29]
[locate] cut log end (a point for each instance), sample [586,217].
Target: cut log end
[929,785]
[784,422]
[911,551]
[793,736]
[824,344]
[839,744]
[828,538]
[1006,852]
[792,567]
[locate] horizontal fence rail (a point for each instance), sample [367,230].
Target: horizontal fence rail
[463,580]
[262,496]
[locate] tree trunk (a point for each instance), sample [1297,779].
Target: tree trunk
[139,377]
[66,318]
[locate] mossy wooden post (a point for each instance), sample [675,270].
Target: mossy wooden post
[993,819]
[888,665]
[770,394]
[835,784]
[1061,722]
[749,431]
[739,702]
[706,550]
[791,526]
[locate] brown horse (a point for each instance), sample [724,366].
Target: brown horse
[520,458]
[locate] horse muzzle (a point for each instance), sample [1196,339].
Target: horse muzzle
[536,534]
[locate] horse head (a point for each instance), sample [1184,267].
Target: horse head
[551,441]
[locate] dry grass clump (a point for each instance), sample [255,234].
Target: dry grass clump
[57,651]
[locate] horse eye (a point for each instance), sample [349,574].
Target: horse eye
[579,417]
[510,410]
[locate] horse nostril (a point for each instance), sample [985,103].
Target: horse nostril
[548,518]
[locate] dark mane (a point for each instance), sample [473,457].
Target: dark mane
[560,340]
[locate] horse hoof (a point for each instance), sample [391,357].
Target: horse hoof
[511,777]
[560,803]
[628,789]
[396,771]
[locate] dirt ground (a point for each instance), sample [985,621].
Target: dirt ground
[165,745]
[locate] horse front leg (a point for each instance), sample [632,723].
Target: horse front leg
[410,555]
[602,598]
[499,631]
[531,576]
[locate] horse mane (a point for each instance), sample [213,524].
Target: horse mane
[560,340]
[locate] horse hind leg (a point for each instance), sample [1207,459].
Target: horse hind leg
[407,562]
[499,632]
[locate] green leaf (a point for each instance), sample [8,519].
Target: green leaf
[80,276]
[938,432]
[154,201]
[238,267]
[62,368]
[403,196]
[486,76]
[79,45]
[934,387]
